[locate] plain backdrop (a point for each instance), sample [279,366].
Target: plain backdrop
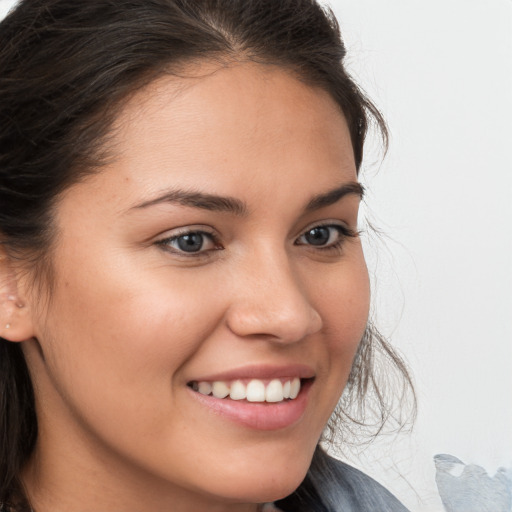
[441,73]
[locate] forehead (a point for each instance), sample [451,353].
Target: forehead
[229,130]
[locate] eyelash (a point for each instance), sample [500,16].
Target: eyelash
[344,232]
[166,243]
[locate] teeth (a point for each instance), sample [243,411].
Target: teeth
[274,391]
[286,389]
[220,389]
[237,391]
[255,391]
[204,388]
[294,388]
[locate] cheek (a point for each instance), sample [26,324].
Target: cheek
[120,333]
[345,303]
[113,349]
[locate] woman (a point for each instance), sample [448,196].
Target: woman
[184,295]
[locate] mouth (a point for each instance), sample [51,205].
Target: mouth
[258,397]
[252,390]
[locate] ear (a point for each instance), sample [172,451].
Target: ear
[15,318]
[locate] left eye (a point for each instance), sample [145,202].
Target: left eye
[190,242]
[322,236]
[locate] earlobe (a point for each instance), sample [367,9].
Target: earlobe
[15,318]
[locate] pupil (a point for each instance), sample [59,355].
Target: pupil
[190,243]
[317,236]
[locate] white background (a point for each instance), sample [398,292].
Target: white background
[441,72]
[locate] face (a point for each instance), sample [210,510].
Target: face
[217,251]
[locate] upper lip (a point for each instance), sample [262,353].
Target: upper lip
[260,372]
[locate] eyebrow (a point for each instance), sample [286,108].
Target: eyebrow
[333,196]
[239,208]
[201,200]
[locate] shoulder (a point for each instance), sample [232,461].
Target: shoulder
[363,493]
[334,486]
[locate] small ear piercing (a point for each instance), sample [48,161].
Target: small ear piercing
[8,326]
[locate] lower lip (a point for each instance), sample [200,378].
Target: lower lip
[259,415]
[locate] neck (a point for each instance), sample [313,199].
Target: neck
[73,486]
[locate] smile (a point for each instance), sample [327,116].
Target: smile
[254,390]
[258,404]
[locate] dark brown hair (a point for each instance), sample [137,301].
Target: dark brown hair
[66,69]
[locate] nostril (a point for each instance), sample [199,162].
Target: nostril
[275,320]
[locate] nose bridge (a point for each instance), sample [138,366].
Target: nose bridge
[271,300]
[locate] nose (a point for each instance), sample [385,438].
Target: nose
[271,302]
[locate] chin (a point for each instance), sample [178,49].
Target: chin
[266,484]
[265,492]
[278,490]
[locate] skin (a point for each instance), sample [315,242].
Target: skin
[131,321]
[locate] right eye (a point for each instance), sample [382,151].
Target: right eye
[190,243]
